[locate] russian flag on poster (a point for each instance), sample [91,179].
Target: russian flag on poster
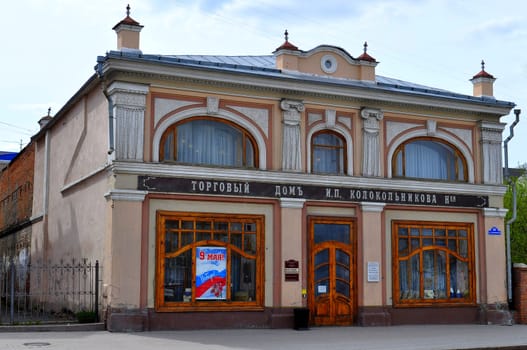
[211,273]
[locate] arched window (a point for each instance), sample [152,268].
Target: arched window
[208,142]
[425,158]
[328,153]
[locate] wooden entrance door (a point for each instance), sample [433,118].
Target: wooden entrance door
[332,272]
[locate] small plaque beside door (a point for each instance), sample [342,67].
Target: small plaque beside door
[291,270]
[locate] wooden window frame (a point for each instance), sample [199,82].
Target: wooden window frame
[468,300]
[400,149]
[246,137]
[202,305]
[343,148]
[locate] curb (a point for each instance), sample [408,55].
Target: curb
[68,327]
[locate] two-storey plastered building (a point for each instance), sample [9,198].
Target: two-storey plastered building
[228,191]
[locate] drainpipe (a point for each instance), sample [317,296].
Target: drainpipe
[514,212]
[111,118]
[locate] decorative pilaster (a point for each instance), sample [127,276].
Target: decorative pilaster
[291,147]
[491,137]
[371,157]
[129,103]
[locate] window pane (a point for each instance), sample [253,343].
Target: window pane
[168,147]
[428,269]
[221,226]
[403,231]
[249,244]
[171,242]
[187,238]
[321,272]
[328,154]
[399,164]
[452,243]
[236,240]
[342,272]
[204,141]
[459,286]
[415,244]
[249,153]
[427,232]
[463,247]
[243,273]
[342,257]
[203,225]
[222,237]
[236,226]
[343,288]
[427,159]
[178,277]
[332,232]
[409,278]
[203,236]
[403,246]
[187,225]
[322,257]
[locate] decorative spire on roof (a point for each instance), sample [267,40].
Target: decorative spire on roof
[365,56]
[128,20]
[483,73]
[287,45]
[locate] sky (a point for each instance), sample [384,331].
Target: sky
[49,47]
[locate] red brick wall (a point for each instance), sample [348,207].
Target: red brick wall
[520,294]
[16,189]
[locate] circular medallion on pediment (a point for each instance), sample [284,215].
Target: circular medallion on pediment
[328,63]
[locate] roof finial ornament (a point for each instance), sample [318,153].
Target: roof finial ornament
[286,35]
[365,46]
[49,112]
[482,65]
[128,10]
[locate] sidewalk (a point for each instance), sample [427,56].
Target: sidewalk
[331,338]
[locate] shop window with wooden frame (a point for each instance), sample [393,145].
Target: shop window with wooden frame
[429,158]
[208,141]
[209,261]
[433,263]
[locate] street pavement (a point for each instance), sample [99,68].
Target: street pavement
[427,337]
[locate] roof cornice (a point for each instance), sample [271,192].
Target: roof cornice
[289,83]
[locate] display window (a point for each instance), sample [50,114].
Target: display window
[209,261]
[433,263]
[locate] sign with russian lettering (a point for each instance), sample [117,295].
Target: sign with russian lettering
[313,192]
[211,273]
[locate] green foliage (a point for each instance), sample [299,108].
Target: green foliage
[519,227]
[86,316]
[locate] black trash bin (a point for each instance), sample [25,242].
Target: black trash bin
[301,319]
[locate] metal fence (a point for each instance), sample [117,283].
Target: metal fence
[48,292]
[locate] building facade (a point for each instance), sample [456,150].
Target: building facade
[228,191]
[16,199]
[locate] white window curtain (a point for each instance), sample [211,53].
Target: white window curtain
[430,160]
[209,142]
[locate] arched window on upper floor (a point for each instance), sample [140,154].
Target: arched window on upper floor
[428,158]
[328,153]
[205,141]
